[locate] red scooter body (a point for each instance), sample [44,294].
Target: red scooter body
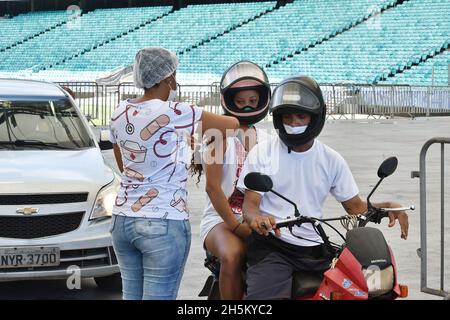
[346,281]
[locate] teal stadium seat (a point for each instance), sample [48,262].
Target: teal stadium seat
[331,40]
[398,38]
[23,26]
[424,74]
[87,31]
[176,31]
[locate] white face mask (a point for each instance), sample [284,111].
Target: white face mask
[172,94]
[294,130]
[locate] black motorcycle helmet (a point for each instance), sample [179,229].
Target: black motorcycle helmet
[294,95]
[245,75]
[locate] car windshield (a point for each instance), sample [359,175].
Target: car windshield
[49,124]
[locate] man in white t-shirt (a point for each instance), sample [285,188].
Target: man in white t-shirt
[305,171]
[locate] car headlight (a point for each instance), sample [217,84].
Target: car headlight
[379,281]
[105,201]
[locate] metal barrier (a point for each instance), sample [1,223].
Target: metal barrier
[343,100]
[86,94]
[422,251]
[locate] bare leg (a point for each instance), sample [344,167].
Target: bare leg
[230,249]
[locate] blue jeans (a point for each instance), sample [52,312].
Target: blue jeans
[152,254]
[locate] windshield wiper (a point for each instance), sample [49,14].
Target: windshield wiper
[5,146]
[32,143]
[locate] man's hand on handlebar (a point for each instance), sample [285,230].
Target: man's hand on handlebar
[402,218]
[264,224]
[357,206]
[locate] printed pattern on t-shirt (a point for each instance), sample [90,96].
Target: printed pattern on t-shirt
[152,140]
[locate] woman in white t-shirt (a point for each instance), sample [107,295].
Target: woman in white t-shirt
[150,228]
[245,94]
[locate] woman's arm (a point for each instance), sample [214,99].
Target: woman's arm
[213,172]
[215,193]
[118,156]
[223,125]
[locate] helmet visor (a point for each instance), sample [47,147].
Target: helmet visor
[243,70]
[295,96]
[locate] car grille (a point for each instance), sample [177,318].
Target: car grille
[54,198]
[83,258]
[39,226]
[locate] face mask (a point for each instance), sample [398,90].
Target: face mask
[172,94]
[294,130]
[247,109]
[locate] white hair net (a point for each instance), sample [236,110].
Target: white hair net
[152,65]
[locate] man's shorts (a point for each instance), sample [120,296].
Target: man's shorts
[272,263]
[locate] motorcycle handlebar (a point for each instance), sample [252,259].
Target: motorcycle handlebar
[292,222]
[383,212]
[302,219]
[374,216]
[398,209]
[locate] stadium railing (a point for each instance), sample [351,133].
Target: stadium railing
[343,100]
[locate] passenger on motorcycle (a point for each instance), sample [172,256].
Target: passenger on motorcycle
[245,94]
[302,169]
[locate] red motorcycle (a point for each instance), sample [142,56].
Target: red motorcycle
[364,265]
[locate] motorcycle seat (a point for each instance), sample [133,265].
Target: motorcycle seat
[305,283]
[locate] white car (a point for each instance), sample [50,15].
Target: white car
[56,191]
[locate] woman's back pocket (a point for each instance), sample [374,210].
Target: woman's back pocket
[151,228]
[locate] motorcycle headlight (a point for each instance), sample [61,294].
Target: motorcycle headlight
[379,282]
[105,201]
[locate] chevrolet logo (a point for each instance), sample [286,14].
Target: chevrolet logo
[27,211]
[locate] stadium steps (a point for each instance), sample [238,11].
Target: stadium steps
[413,62]
[398,39]
[113,38]
[228,30]
[182,51]
[416,71]
[278,33]
[40,32]
[319,41]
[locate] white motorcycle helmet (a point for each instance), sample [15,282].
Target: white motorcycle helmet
[245,75]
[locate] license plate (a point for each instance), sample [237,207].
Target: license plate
[29,257]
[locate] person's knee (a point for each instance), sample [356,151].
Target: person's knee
[233,259]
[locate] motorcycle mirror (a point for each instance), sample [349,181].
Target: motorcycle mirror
[258,182]
[387,167]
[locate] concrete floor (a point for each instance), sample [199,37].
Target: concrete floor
[364,144]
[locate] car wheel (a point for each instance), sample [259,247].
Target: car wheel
[110,283]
